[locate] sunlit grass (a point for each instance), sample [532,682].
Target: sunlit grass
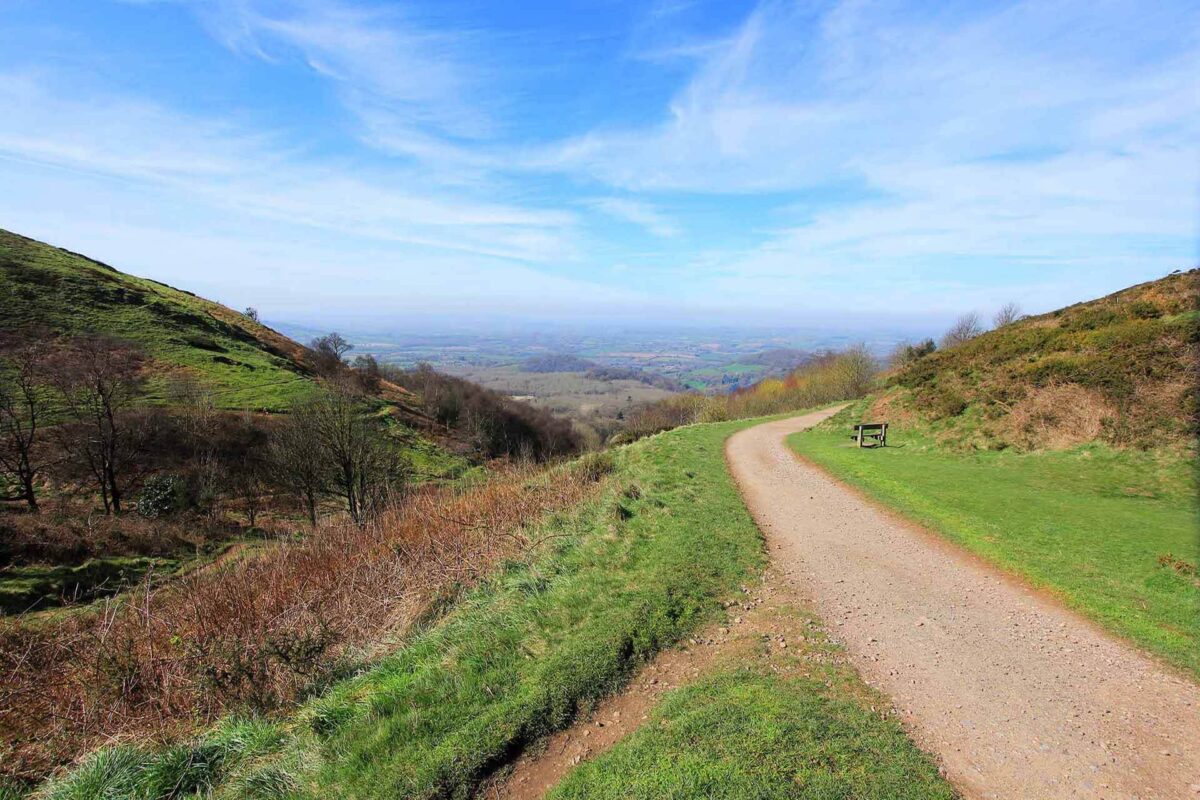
[1093,524]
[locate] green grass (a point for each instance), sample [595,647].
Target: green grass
[749,734]
[246,365]
[1089,524]
[713,373]
[618,579]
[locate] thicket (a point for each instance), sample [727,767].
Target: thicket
[556,362]
[629,374]
[496,425]
[825,377]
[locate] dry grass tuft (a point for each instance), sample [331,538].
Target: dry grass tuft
[890,406]
[1058,416]
[260,632]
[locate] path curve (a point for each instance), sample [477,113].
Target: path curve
[1018,696]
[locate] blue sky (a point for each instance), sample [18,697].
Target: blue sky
[719,162]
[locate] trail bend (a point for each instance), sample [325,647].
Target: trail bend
[1018,696]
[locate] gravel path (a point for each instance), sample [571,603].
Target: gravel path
[1018,696]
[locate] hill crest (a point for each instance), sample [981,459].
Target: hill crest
[1121,369]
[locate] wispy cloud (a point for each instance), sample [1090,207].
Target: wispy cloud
[962,149]
[260,174]
[411,85]
[637,212]
[1039,133]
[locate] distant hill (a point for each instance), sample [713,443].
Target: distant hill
[557,362]
[1122,369]
[629,374]
[248,365]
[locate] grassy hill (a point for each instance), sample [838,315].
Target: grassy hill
[1121,370]
[248,365]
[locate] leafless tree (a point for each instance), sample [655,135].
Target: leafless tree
[23,407]
[1008,314]
[251,313]
[365,465]
[296,460]
[366,370]
[100,379]
[906,352]
[330,351]
[248,480]
[964,329]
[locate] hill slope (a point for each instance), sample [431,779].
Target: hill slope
[248,365]
[1121,369]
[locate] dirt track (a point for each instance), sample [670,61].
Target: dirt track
[1019,697]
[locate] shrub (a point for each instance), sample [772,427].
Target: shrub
[162,496]
[204,343]
[496,425]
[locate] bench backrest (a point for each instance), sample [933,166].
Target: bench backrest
[874,426]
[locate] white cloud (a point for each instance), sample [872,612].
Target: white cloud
[1060,134]
[259,174]
[637,212]
[409,84]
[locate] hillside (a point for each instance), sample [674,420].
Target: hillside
[248,365]
[1121,369]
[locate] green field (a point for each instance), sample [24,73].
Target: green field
[1110,532]
[618,579]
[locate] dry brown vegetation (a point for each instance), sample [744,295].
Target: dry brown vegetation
[258,633]
[1059,416]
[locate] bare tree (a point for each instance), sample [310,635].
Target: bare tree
[366,370]
[23,407]
[1008,314]
[247,478]
[365,465]
[330,351]
[251,313]
[296,460]
[100,379]
[906,352]
[964,329]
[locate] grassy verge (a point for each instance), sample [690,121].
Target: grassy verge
[782,723]
[1111,532]
[617,579]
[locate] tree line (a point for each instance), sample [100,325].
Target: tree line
[73,414]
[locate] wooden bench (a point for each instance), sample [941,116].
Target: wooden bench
[875,431]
